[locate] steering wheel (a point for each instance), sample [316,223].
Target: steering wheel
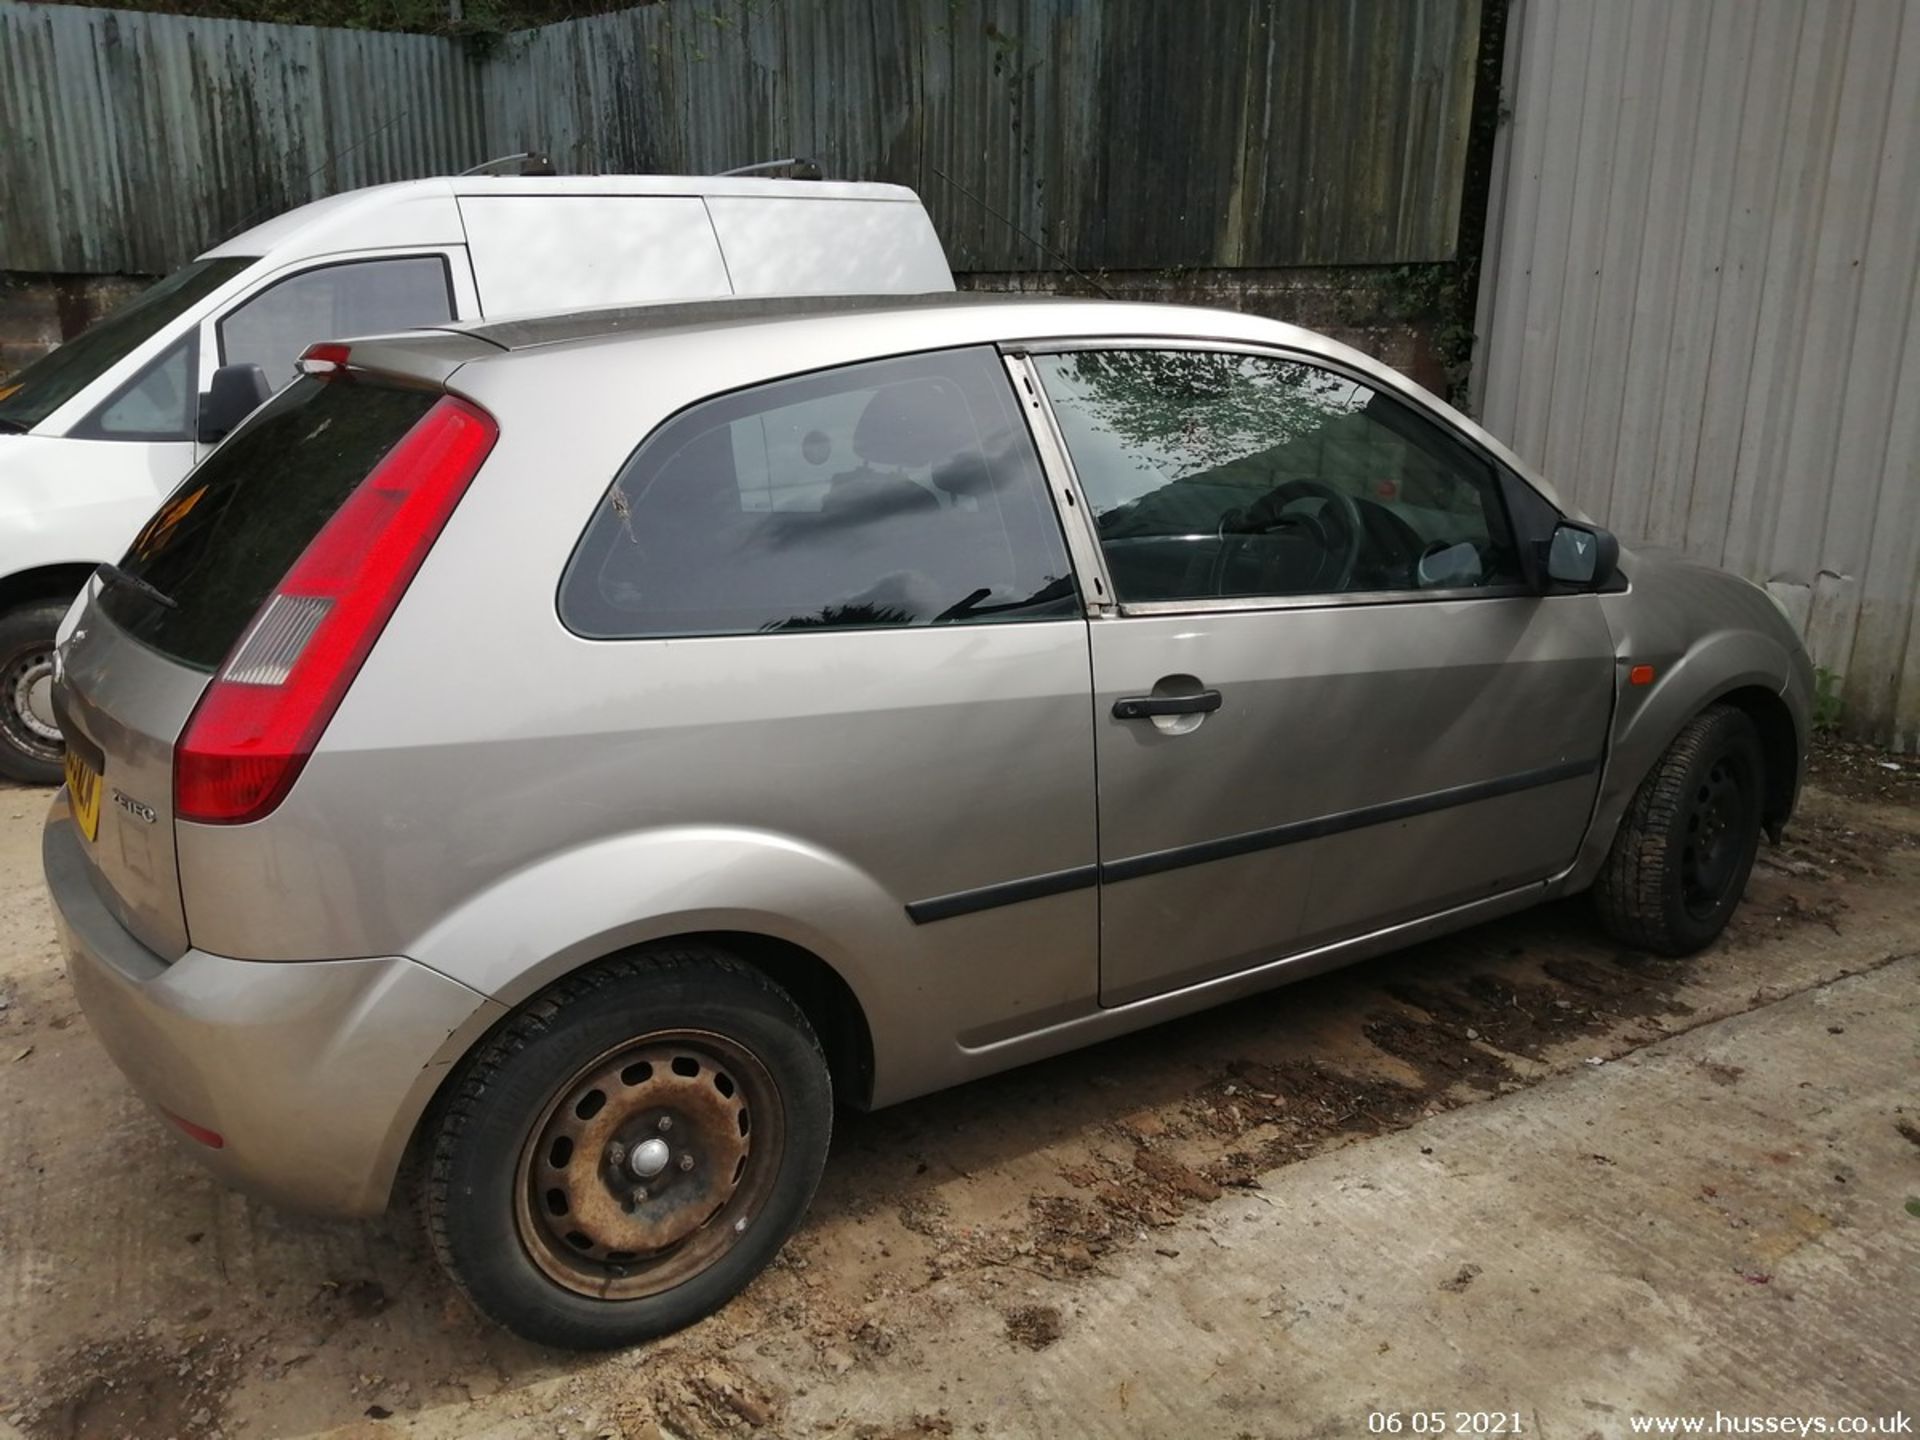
[1272,512]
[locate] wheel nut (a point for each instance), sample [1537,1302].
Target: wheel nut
[666,1123]
[616,1154]
[686,1162]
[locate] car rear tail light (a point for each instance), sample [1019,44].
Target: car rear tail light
[271,700]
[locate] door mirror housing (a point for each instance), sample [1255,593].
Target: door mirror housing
[236,392]
[1583,557]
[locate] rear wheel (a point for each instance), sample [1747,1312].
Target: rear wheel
[630,1150]
[1685,848]
[30,746]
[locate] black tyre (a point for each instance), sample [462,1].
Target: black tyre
[30,748]
[1685,847]
[624,1154]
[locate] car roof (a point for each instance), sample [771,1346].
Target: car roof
[525,332]
[837,329]
[968,317]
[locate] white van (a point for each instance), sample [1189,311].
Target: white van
[93,434]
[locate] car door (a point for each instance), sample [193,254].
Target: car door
[843,607]
[1326,698]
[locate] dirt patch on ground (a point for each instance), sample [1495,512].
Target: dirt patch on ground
[1864,772]
[139,1386]
[1034,1326]
[1019,1188]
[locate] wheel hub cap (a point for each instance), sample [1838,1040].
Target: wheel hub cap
[648,1164]
[29,696]
[649,1159]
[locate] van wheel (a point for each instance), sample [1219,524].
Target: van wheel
[30,746]
[1685,848]
[624,1154]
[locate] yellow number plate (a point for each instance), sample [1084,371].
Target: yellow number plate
[83,789]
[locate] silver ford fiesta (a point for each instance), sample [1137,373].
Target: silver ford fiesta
[576,752]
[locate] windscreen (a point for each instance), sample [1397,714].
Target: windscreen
[47,384]
[233,529]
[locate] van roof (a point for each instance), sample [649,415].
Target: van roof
[426,211]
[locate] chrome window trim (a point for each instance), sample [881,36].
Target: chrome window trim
[1226,604]
[1063,486]
[1034,398]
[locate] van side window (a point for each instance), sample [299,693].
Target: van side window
[159,403]
[894,493]
[361,297]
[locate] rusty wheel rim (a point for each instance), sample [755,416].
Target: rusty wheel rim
[649,1164]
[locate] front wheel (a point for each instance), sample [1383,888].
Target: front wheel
[30,745]
[626,1153]
[1686,845]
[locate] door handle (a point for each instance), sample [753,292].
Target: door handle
[1145,707]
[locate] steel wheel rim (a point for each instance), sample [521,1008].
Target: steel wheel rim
[592,1210]
[1718,819]
[27,687]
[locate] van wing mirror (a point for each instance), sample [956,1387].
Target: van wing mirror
[236,392]
[1581,556]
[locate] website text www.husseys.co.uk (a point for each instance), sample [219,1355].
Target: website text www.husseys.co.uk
[1721,1423]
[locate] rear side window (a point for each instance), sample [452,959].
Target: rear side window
[223,540]
[899,492]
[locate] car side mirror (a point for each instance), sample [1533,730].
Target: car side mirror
[236,392]
[1582,556]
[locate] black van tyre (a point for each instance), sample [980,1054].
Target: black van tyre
[530,1184]
[1686,845]
[27,752]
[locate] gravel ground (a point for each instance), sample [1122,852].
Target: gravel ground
[970,1234]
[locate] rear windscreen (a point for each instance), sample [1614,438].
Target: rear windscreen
[223,540]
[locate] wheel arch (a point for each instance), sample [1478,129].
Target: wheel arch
[1779,747]
[44,582]
[1735,671]
[832,1008]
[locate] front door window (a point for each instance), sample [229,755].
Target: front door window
[1213,474]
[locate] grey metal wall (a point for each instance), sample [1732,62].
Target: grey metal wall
[1699,314]
[131,141]
[1140,134]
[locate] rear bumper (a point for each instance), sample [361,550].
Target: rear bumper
[312,1073]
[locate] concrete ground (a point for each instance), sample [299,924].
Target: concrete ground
[1518,1172]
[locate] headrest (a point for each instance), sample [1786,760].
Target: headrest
[914,423]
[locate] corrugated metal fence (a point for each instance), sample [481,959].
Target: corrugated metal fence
[1143,136]
[1700,308]
[130,142]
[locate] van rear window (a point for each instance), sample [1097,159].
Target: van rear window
[226,537]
